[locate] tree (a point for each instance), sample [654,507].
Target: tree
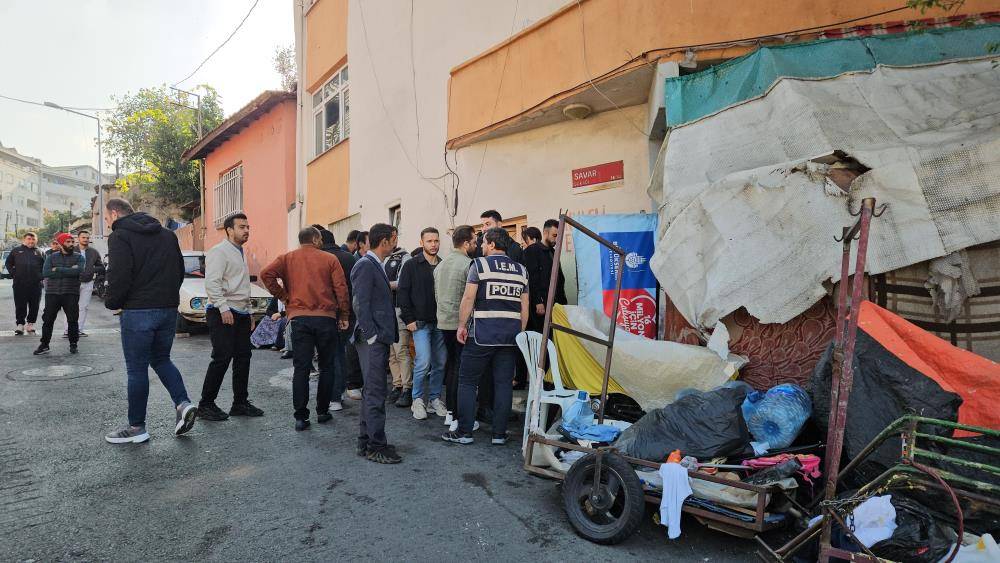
[56,222]
[284,64]
[150,130]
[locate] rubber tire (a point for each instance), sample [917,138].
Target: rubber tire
[580,477]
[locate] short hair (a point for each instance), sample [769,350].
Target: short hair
[308,235]
[119,206]
[82,232]
[462,235]
[327,237]
[549,223]
[499,238]
[380,232]
[353,236]
[230,221]
[428,230]
[29,234]
[362,237]
[532,232]
[493,214]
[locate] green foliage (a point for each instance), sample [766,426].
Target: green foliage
[924,5]
[150,130]
[57,222]
[284,65]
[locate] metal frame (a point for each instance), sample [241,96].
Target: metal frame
[719,521]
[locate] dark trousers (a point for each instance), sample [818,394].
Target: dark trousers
[70,304]
[230,344]
[355,379]
[26,298]
[454,348]
[477,360]
[311,335]
[338,362]
[374,368]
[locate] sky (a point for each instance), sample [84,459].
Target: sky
[82,52]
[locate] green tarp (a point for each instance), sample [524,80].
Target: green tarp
[697,95]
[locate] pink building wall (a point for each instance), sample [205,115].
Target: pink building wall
[266,149]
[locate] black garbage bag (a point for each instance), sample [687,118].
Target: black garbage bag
[917,537]
[703,425]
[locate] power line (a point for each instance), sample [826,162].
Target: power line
[223,44]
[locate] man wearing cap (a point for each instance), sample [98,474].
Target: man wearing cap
[61,271]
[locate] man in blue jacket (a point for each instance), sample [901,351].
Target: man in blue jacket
[375,333]
[62,291]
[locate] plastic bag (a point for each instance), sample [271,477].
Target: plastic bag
[702,425]
[775,417]
[579,414]
[917,537]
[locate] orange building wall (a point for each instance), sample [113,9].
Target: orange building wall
[327,185]
[547,58]
[326,41]
[266,148]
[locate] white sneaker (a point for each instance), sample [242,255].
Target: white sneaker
[448,419]
[354,394]
[19,330]
[336,406]
[437,405]
[454,426]
[418,410]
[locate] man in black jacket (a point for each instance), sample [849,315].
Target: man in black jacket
[144,280]
[24,264]
[491,218]
[538,258]
[418,310]
[346,373]
[550,232]
[62,291]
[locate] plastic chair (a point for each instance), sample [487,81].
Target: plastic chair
[530,343]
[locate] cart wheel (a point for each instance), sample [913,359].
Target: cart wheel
[616,511]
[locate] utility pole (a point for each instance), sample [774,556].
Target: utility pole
[201,166]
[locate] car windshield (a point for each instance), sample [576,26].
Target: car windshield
[194,266]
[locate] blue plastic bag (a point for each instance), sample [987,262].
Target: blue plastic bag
[776,417]
[579,414]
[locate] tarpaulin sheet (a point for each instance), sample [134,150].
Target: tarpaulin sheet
[649,371]
[702,93]
[748,219]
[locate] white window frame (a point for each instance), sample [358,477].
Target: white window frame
[338,86]
[228,195]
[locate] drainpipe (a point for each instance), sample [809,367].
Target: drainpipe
[300,121]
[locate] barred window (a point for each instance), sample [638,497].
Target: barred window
[229,195]
[331,112]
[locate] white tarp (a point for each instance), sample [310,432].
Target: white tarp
[748,221]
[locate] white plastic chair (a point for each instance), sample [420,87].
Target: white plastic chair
[530,343]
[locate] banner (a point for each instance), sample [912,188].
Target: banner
[635,234]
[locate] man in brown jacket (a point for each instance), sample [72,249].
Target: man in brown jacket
[314,290]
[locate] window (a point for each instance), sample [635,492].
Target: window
[229,195]
[331,112]
[395,215]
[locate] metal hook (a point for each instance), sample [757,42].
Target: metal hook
[842,236]
[880,211]
[853,214]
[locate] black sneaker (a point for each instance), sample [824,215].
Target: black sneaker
[405,399]
[42,349]
[301,425]
[82,334]
[212,412]
[324,417]
[244,409]
[73,349]
[385,455]
[394,394]
[457,437]
[362,448]
[286,355]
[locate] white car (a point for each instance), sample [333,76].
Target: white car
[193,299]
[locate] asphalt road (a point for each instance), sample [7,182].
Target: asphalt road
[256,490]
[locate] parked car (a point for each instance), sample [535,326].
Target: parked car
[4,274]
[194,300]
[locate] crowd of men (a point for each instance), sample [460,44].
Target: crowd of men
[354,310]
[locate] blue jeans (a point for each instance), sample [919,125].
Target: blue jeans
[432,355]
[147,336]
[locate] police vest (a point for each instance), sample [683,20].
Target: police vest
[497,316]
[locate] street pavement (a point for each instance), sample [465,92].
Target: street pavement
[256,490]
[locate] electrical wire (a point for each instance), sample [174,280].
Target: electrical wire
[221,45]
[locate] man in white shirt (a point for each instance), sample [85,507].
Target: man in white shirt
[227,284]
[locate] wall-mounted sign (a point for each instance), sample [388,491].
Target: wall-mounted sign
[599,177]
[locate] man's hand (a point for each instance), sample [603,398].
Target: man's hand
[343,325]
[275,316]
[227,317]
[412,327]
[462,334]
[539,308]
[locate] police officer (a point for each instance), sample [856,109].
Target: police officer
[496,299]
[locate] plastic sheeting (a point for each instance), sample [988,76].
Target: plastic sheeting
[649,371]
[748,217]
[692,96]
